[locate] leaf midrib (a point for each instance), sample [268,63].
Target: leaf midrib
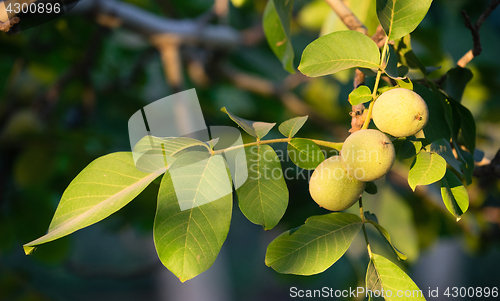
[318,237]
[67,223]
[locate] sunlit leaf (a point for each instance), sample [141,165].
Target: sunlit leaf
[257,129]
[401,17]
[263,194]
[405,83]
[454,194]
[426,169]
[359,95]
[276,23]
[338,51]
[407,148]
[305,153]
[315,246]
[384,275]
[193,214]
[102,188]
[290,127]
[443,148]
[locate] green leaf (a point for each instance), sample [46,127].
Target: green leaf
[454,194]
[102,188]
[371,188]
[426,169]
[360,95]
[339,51]
[263,194]
[385,234]
[305,153]
[315,246]
[276,23]
[445,104]
[467,127]
[290,127]
[407,147]
[391,69]
[193,214]
[152,151]
[254,128]
[437,127]
[405,83]
[400,17]
[406,55]
[383,274]
[443,148]
[457,79]
[467,161]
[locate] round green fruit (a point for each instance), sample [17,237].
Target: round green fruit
[367,155]
[331,187]
[400,112]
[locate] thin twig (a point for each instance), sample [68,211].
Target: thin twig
[291,101]
[474,29]
[347,16]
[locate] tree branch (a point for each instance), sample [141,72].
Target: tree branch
[7,25]
[474,29]
[346,15]
[149,24]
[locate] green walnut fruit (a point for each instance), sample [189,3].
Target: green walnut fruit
[400,112]
[367,155]
[331,187]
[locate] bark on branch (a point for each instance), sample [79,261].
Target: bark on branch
[149,24]
[7,25]
[474,29]
[346,15]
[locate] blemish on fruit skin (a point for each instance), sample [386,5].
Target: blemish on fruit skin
[418,117]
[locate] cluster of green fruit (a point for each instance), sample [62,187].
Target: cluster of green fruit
[367,155]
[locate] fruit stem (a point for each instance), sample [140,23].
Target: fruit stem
[334,145]
[362,214]
[375,87]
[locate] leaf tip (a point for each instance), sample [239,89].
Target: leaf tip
[28,250]
[458,219]
[223,109]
